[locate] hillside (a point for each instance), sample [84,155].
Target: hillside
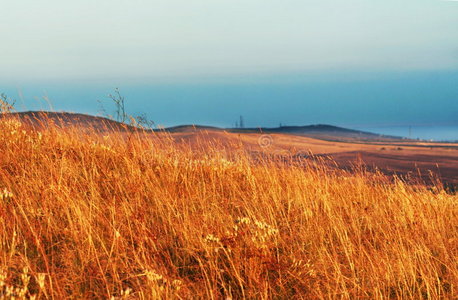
[326,132]
[44,119]
[320,131]
[347,147]
[137,216]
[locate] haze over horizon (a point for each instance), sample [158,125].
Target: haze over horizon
[207,62]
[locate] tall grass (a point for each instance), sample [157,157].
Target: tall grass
[129,216]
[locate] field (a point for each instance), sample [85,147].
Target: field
[136,215]
[409,159]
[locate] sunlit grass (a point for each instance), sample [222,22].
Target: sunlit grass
[123,216]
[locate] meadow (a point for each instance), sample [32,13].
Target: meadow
[128,215]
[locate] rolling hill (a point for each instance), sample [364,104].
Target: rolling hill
[391,155]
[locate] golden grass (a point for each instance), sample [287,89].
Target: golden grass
[130,216]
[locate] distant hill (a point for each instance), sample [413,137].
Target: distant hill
[189,128]
[41,119]
[346,147]
[327,132]
[320,131]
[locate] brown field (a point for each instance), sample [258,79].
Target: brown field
[416,160]
[138,215]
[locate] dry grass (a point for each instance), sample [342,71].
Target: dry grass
[127,217]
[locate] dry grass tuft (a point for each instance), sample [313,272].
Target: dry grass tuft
[134,216]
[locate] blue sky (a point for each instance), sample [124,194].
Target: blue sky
[170,39]
[207,61]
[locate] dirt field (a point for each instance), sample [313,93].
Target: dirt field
[401,158]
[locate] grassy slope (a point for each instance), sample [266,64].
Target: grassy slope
[92,216]
[391,156]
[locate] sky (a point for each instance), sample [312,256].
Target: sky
[133,39]
[273,57]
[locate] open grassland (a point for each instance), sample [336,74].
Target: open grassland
[127,216]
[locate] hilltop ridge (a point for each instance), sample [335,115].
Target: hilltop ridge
[320,131]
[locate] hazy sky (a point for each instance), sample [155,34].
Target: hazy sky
[208,61]
[169,39]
